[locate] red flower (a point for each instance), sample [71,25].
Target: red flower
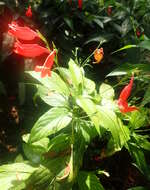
[122,101]
[22,33]
[138,32]
[46,68]
[29,12]
[80,4]
[109,10]
[29,50]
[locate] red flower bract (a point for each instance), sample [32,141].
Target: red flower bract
[122,101]
[29,50]
[29,12]
[22,33]
[46,68]
[80,4]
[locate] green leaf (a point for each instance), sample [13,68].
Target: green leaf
[106,91]
[17,172]
[51,122]
[90,108]
[109,120]
[139,160]
[40,179]
[88,132]
[59,143]
[142,141]
[101,38]
[76,73]
[88,181]
[126,68]
[65,74]
[138,119]
[89,85]
[125,47]
[69,22]
[35,150]
[31,153]
[53,83]
[146,98]
[145,44]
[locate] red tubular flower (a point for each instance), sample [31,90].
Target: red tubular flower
[29,50]
[122,101]
[80,4]
[29,12]
[46,68]
[109,10]
[22,33]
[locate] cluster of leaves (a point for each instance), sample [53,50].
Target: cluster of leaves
[58,140]
[78,112]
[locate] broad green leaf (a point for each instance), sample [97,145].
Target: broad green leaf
[138,119]
[76,73]
[99,22]
[35,150]
[139,160]
[59,143]
[51,98]
[101,38]
[55,99]
[90,108]
[31,153]
[69,22]
[40,179]
[106,91]
[53,83]
[17,172]
[87,132]
[57,164]
[126,68]
[144,44]
[142,141]
[89,85]
[146,98]
[125,47]
[109,120]
[65,74]
[88,181]
[51,122]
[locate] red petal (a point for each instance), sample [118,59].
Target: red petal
[50,60]
[80,4]
[38,68]
[29,12]
[125,93]
[22,33]
[45,72]
[29,50]
[46,68]
[124,108]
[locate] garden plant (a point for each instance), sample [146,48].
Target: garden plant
[80,73]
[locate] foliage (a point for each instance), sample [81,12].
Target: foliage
[79,110]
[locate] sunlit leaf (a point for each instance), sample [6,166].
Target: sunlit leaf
[51,122]
[89,181]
